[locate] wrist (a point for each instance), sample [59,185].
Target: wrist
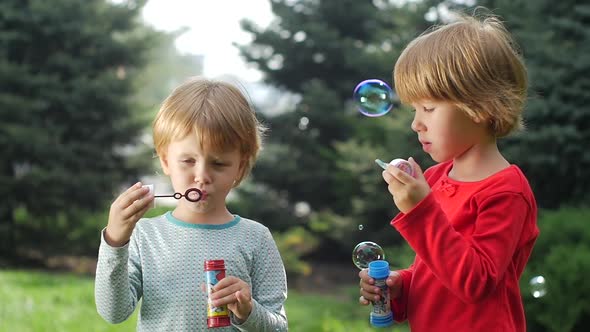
[113,241]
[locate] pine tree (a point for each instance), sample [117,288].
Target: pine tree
[555,41]
[318,153]
[66,73]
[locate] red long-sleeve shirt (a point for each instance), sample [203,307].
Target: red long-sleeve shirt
[472,241]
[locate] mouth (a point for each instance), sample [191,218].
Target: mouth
[426,146]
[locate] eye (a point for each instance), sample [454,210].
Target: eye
[428,110]
[219,163]
[188,161]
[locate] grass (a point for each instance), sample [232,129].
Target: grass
[33,301]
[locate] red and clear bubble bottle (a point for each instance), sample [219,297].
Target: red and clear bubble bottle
[214,272]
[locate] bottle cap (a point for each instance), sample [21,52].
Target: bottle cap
[379,269]
[214,264]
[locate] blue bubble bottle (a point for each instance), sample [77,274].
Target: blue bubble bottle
[381,314]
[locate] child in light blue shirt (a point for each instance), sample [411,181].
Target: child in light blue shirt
[207,137]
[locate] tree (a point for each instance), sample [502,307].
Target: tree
[555,41]
[322,153]
[66,73]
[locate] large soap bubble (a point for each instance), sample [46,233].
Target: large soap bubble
[366,252]
[374,97]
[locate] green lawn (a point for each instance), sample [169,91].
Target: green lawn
[41,301]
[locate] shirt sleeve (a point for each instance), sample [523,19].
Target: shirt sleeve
[118,286]
[469,266]
[399,306]
[269,290]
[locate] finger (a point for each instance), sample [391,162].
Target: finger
[228,299]
[129,190]
[417,169]
[369,296]
[364,275]
[139,214]
[369,287]
[242,297]
[400,175]
[136,208]
[220,292]
[363,301]
[130,197]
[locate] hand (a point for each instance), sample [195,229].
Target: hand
[371,293]
[125,212]
[406,190]
[236,294]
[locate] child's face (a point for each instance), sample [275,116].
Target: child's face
[444,131]
[211,172]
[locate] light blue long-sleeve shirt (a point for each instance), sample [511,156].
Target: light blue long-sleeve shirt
[163,266]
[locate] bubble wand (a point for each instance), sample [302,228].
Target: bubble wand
[192,195]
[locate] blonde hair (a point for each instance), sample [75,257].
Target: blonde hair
[217,112]
[471,63]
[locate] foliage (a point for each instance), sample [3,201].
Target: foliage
[293,244]
[66,72]
[325,149]
[555,41]
[562,256]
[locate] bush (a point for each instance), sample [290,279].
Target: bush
[562,256]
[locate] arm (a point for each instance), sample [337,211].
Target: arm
[470,267]
[118,286]
[269,290]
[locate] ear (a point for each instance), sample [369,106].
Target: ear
[164,163]
[242,170]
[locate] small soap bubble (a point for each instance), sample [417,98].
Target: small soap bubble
[366,252]
[374,97]
[538,286]
[361,227]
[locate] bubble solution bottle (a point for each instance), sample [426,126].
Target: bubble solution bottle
[216,316]
[381,315]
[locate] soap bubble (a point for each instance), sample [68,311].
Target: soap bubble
[361,227]
[366,252]
[538,286]
[374,97]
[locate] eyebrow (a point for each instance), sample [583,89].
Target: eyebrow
[210,156]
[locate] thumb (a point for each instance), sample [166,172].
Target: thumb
[241,297]
[392,279]
[418,174]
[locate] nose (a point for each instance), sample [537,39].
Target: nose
[202,174]
[417,124]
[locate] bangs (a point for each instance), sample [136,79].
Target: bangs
[214,133]
[217,115]
[421,72]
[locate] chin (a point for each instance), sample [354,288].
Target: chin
[439,159]
[200,207]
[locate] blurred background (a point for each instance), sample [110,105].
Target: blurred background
[80,82]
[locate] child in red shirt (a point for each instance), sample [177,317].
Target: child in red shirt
[471,219]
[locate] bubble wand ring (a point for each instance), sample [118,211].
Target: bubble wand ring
[188,194]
